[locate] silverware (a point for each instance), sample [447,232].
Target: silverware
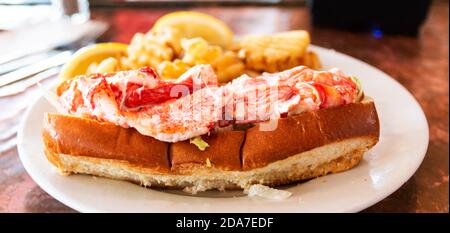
[17,81]
[20,86]
[20,69]
[20,53]
[34,38]
[35,68]
[9,133]
[24,61]
[8,145]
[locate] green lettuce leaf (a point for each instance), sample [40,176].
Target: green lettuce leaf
[199,142]
[359,87]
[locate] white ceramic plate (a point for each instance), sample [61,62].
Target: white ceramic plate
[402,147]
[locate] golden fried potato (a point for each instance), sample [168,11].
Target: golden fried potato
[171,55]
[252,73]
[312,60]
[198,51]
[273,53]
[172,70]
[228,66]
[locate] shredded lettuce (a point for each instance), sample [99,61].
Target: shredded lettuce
[199,142]
[359,87]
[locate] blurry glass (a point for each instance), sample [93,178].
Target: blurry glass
[75,10]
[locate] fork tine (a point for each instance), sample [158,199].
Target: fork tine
[8,145]
[20,86]
[9,57]
[24,61]
[26,72]
[6,134]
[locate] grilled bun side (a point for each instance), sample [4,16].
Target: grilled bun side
[309,130]
[304,146]
[331,158]
[77,136]
[223,152]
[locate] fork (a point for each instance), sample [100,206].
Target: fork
[35,68]
[16,77]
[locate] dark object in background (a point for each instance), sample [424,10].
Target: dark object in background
[379,16]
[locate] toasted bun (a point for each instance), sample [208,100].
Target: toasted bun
[304,146]
[307,131]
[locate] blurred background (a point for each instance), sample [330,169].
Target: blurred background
[406,39]
[404,17]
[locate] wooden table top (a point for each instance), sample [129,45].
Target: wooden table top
[419,63]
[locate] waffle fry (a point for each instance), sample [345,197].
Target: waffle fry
[312,60]
[273,53]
